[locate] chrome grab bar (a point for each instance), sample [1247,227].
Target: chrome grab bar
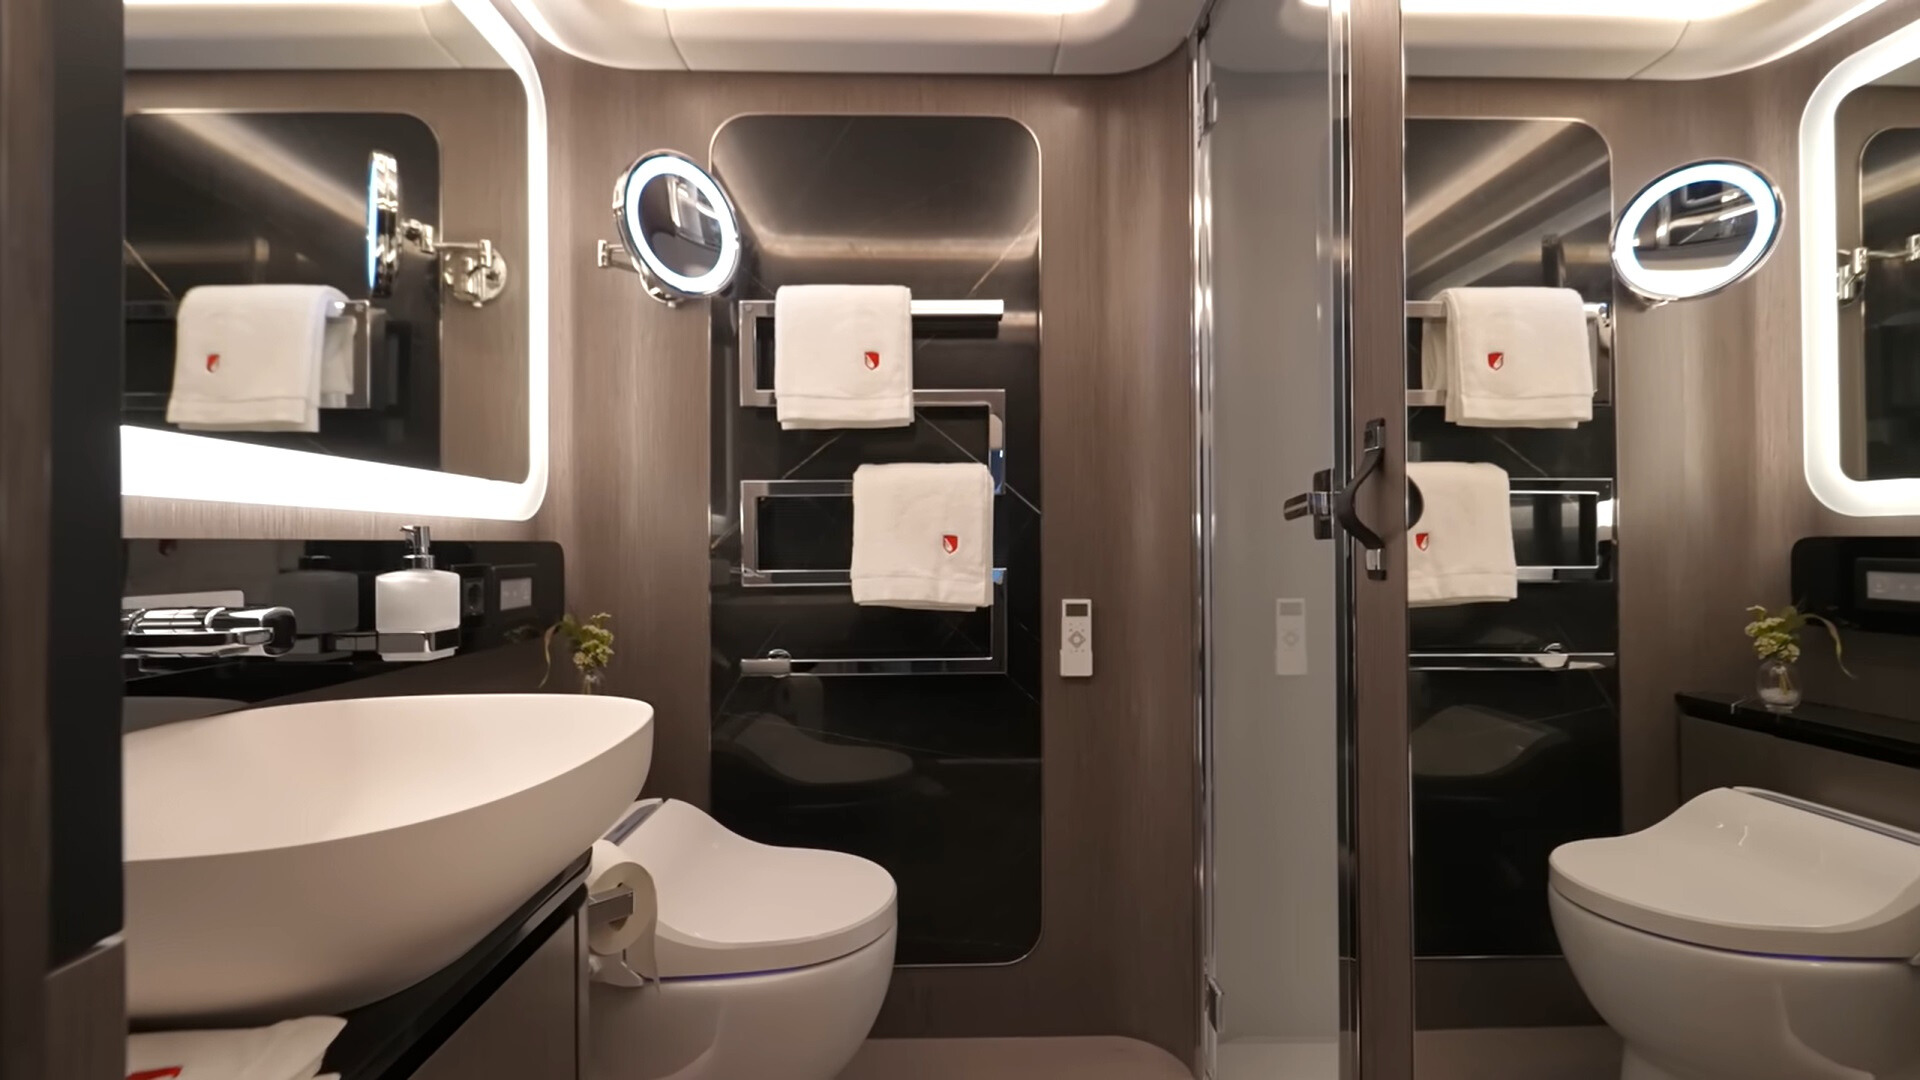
[1550,659]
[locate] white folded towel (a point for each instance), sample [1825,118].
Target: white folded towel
[336,362]
[1510,358]
[289,1050]
[249,357]
[1461,550]
[923,536]
[843,356]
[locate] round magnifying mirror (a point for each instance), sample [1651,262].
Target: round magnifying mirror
[1696,230]
[678,226]
[383,223]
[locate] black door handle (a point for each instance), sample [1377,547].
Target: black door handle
[1328,506]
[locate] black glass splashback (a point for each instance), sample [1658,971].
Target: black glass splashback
[1509,763]
[936,775]
[511,592]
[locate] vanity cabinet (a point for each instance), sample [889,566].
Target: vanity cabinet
[530,1029]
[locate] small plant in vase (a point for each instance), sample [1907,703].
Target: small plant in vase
[592,649]
[1776,641]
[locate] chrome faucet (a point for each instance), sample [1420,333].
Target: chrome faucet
[206,631]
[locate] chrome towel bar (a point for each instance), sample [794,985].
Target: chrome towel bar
[1551,659]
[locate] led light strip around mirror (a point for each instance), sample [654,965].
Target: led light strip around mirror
[175,465]
[1819,307]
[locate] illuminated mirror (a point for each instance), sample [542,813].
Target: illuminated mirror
[1696,230]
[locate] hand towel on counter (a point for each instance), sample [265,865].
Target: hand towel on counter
[289,1050]
[923,536]
[1510,358]
[249,357]
[843,356]
[1461,550]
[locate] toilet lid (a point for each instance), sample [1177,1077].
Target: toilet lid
[730,906]
[1755,872]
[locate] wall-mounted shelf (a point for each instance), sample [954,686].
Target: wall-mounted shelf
[1599,322]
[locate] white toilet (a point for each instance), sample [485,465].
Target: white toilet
[1749,936]
[773,961]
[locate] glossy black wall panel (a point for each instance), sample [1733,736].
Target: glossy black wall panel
[1509,764]
[937,777]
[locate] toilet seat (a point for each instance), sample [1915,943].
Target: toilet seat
[1750,871]
[730,906]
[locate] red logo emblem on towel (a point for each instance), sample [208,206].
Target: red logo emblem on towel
[1420,540]
[157,1074]
[213,361]
[1496,360]
[950,543]
[873,361]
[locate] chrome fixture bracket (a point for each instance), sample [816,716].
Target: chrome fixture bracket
[1851,279]
[614,255]
[474,272]
[404,642]
[206,631]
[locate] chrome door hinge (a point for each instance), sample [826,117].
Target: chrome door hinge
[1209,108]
[1215,1003]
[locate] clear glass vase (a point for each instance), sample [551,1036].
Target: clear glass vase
[590,680]
[1778,684]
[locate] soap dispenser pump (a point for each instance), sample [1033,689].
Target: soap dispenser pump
[417,610]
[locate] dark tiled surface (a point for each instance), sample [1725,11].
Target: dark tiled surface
[935,777]
[1850,731]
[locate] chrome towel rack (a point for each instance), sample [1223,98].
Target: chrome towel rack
[1599,317]
[779,662]
[954,312]
[1550,659]
[369,338]
[752,575]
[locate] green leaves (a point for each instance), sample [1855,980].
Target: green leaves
[592,646]
[1777,634]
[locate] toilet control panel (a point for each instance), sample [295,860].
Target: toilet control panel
[1076,639]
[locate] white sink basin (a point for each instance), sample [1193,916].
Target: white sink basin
[314,858]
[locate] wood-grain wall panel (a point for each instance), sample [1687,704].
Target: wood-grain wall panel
[629,502]
[1712,491]
[1381,880]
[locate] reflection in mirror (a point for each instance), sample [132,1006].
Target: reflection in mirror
[286,289]
[1883,282]
[474,274]
[678,229]
[1696,230]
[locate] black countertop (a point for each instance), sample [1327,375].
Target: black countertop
[1863,734]
[394,1036]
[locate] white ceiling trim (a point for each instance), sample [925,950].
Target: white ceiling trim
[1068,37]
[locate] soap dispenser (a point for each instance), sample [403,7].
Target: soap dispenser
[416,609]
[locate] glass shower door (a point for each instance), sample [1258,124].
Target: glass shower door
[1308,973]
